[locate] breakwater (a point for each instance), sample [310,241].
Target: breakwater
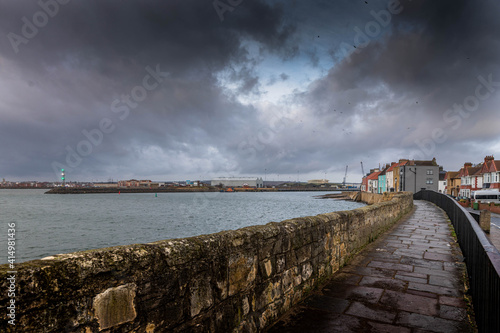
[368,198]
[238,280]
[90,190]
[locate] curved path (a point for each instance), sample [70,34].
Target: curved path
[411,279]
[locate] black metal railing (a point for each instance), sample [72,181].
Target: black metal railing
[481,258]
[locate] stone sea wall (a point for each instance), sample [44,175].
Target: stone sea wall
[239,280]
[373,198]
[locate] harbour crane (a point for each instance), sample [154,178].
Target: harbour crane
[345,176]
[362,169]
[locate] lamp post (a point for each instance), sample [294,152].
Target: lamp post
[415,172]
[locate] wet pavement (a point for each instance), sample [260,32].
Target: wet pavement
[411,279]
[494,235]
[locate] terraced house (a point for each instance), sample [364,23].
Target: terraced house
[372,181]
[417,175]
[389,174]
[407,175]
[382,183]
[471,178]
[491,173]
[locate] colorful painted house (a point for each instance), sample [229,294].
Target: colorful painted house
[397,174]
[466,175]
[389,177]
[372,180]
[452,183]
[364,184]
[382,180]
[491,173]
[477,180]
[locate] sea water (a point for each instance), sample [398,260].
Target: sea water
[48,224]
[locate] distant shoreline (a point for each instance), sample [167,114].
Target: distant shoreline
[25,188]
[59,190]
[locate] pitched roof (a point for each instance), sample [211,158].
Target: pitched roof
[462,172]
[393,165]
[451,174]
[373,175]
[494,166]
[484,168]
[473,170]
[479,170]
[469,170]
[423,163]
[384,171]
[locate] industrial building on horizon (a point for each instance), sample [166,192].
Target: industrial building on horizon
[256,182]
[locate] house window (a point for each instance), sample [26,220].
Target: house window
[429,181]
[430,171]
[486,177]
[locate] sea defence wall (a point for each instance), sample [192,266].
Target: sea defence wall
[240,280]
[373,198]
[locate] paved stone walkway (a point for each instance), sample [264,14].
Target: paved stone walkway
[408,280]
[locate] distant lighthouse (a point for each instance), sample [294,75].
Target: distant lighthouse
[63,177]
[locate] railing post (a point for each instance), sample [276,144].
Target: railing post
[485,220]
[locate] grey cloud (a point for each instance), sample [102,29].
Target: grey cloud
[284,76]
[91,54]
[421,69]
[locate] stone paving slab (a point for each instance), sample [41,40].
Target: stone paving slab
[408,280]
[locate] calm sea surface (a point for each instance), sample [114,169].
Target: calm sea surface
[51,224]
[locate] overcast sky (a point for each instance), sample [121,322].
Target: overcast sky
[287,90]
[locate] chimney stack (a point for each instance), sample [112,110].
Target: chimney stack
[489,158]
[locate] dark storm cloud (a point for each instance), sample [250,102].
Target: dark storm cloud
[181,34]
[441,45]
[92,53]
[410,76]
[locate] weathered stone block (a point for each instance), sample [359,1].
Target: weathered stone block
[307,271]
[242,272]
[280,263]
[303,253]
[291,259]
[200,294]
[268,267]
[115,306]
[291,278]
[271,292]
[268,247]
